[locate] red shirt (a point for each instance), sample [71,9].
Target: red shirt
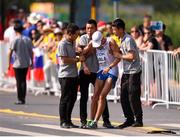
[1,31]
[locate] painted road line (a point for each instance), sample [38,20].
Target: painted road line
[22,132]
[170,125]
[75,130]
[9,111]
[11,90]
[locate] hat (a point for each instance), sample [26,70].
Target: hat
[46,28]
[33,18]
[96,39]
[57,31]
[60,24]
[101,25]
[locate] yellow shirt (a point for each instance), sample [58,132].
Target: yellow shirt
[53,53]
[118,41]
[48,37]
[46,41]
[78,63]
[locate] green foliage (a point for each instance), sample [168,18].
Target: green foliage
[166,6]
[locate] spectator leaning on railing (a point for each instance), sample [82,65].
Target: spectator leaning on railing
[149,41]
[176,51]
[165,42]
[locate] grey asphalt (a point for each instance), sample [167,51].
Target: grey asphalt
[160,117]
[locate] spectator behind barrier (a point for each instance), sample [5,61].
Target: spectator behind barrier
[149,41]
[164,41]
[136,34]
[146,23]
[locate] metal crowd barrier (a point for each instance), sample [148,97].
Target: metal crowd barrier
[174,79]
[3,58]
[5,82]
[160,78]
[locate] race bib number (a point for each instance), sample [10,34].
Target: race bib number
[102,59]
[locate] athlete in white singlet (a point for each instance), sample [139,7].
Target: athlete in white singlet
[106,75]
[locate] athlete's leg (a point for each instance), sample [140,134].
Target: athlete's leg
[97,91]
[102,98]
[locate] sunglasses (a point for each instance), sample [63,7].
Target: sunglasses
[134,31]
[147,32]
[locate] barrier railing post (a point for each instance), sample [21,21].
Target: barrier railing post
[166,79]
[146,76]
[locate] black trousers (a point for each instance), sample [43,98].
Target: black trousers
[69,88]
[20,75]
[84,81]
[130,96]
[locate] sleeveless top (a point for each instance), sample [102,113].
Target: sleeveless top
[105,58]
